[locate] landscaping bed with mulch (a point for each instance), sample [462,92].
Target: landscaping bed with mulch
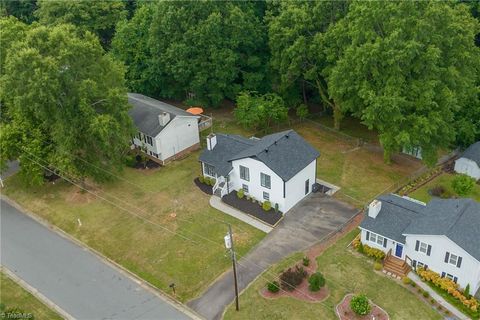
[202,186]
[344,312]
[254,209]
[150,164]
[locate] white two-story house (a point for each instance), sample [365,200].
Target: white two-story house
[165,132]
[280,168]
[443,235]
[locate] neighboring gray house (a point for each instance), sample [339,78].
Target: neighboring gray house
[469,161]
[280,168]
[164,131]
[443,235]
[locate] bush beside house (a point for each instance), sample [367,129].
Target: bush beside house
[360,305]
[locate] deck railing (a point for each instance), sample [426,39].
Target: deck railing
[205,122]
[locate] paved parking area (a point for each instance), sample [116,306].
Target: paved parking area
[310,221]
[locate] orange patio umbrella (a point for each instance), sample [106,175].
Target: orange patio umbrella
[195,110]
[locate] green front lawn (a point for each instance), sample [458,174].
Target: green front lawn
[13,296]
[345,272]
[444,180]
[166,196]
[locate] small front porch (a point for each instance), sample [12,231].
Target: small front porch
[222,186]
[396,266]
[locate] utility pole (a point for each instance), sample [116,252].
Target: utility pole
[229,245]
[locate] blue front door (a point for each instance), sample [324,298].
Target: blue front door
[399,250]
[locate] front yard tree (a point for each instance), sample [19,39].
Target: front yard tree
[260,111]
[406,69]
[66,104]
[99,17]
[297,42]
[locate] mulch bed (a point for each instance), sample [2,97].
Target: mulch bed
[150,165]
[202,186]
[254,209]
[301,292]
[345,313]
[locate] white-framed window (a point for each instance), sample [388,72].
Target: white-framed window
[245,188]
[209,170]
[244,173]
[266,196]
[423,247]
[453,260]
[420,264]
[265,180]
[449,276]
[378,239]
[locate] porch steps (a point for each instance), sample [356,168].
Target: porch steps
[396,266]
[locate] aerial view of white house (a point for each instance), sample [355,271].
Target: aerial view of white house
[280,168]
[442,235]
[164,131]
[469,161]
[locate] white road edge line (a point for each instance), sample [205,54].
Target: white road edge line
[37,294]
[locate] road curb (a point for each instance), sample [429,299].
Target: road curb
[37,294]
[141,282]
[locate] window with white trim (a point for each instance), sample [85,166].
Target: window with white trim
[450,276]
[266,196]
[453,260]
[420,264]
[244,173]
[378,239]
[245,188]
[423,247]
[209,170]
[265,180]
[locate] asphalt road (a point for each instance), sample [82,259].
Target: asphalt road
[73,278]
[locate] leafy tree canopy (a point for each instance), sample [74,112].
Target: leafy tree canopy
[260,111]
[66,104]
[21,9]
[407,69]
[203,50]
[99,17]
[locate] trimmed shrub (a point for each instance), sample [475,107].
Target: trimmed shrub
[213,181]
[466,292]
[130,160]
[201,179]
[406,280]
[240,194]
[273,287]
[306,261]
[377,266]
[432,301]
[316,281]
[426,294]
[266,206]
[291,278]
[413,284]
[360,305]
[463,184]
[206,180]
[373,252]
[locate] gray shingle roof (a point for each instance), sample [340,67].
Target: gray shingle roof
[394,217]
[145,112]
[285,153]
[457,219]
[473,153]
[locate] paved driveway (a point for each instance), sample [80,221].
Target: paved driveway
[73,278]
[311,220]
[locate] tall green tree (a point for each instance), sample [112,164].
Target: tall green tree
[203,50]
[297,41]
[406,68]
[99,17]
[66,104]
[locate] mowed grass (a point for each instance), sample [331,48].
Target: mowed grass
[182,242]
[444,180]
[14,296]
[345,272]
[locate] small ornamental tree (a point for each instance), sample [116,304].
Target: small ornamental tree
[273,287]
[267,206]
[463,184]
[360,305]
[316,281]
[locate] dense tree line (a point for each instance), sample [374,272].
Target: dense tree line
[408,69]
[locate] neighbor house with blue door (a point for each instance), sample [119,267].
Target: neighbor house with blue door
[443,235]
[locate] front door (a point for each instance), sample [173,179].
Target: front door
[399,250]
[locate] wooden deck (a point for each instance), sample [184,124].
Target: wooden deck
[395,265]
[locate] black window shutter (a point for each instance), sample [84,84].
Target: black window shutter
[417,244]
[384,242]
[459,262]
[455,279]
[443,274]
[429,250]
[426,267]
[368,236]
[414,264]
[447,255]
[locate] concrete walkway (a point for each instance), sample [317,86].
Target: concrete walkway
[218,204]
[415,278]
[313,219]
